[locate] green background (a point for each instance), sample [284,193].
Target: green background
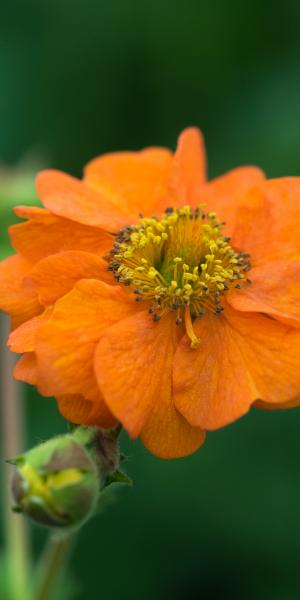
[78,78]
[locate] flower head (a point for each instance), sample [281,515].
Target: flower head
[148,296]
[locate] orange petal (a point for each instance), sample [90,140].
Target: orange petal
[275,290]
[189,166]
[227,193]
[133,181]
[65,345]
[280,405]
[251,224]
[46,234]
[71,198]
[284,196]
[74,408]
[77,409]
[54,276]
[133,365]
[267,224]
[30,212]
[242,358]
[26,369]
[22,339]
[20,303]
[167,434]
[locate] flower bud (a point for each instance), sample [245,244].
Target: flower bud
[57,483]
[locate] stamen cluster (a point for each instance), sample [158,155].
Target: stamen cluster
[179,262]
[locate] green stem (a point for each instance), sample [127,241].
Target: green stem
[12,434]
[52,565]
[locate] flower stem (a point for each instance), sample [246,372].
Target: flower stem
[12,434]
[52,565]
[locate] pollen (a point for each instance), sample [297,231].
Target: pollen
[180,262]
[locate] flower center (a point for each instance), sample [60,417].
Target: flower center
[180,262]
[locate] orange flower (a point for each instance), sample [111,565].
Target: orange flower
[146,295]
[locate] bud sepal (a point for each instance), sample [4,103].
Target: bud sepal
[57,483]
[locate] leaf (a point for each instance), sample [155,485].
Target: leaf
[17,461]
[118,477]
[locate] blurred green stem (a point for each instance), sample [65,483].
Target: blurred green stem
[12,425]
[52,565]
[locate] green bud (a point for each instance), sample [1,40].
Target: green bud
[57,483]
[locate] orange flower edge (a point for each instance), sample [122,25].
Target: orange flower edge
[148,296]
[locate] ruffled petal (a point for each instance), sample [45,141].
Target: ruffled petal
[133,365]
[26,369]
[65,345]
[225,195]
[267,229]
[267,223]
[54,276]
[45,233]
[76,409]
[242,358]
[188,171]
[134,182]
[22,339]
[275,290]
[71,198]
[167,434]
[15,299]
[284,197]
[73,407]
[279,406]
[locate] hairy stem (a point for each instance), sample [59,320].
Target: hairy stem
[52,565]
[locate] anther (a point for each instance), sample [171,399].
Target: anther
[219,309]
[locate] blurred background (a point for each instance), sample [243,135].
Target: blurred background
[79,78]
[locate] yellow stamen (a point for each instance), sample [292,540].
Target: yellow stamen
[180,263]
